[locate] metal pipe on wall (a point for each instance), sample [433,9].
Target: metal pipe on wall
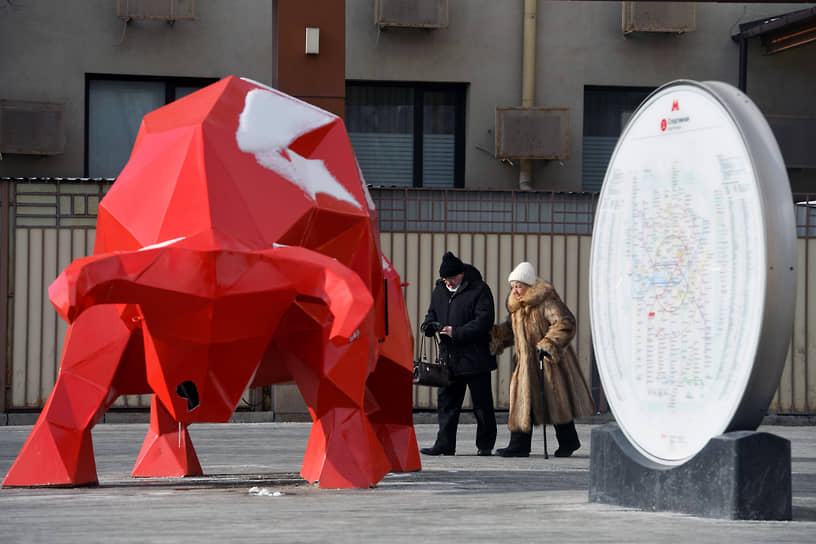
[743,65]
[528,82]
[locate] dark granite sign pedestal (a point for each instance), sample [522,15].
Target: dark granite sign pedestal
[737,475]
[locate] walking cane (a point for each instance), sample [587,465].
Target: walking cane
[541,354]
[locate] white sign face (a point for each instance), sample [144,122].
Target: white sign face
[677,274]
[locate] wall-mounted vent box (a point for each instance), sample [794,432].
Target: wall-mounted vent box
[156,9]
[32,128]
[427,14]
[677,17]
[532,133]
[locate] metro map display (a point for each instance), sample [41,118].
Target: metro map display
[678,273]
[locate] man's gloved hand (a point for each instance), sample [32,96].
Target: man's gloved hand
[430,328]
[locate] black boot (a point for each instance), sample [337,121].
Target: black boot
[567,439]
[437,449]
[519,445]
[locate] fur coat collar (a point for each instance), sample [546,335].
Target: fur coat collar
[535,296]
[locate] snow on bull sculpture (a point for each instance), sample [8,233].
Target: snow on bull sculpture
[239,246]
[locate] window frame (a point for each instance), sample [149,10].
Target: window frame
[170,85]
[593,129]
[459,91]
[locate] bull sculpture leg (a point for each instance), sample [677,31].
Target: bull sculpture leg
[167,450]
[337,407]
[389,388]
[59,450]
[386,399]
[331,380]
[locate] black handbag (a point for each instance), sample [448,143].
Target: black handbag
[431,373]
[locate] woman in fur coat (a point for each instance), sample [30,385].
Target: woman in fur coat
[541,327]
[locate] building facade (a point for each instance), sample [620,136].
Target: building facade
[420,81]
[105,63]
[436,94]
[584,63]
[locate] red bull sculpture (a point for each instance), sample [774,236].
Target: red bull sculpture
[238,247]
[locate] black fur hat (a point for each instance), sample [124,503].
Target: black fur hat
[451,266]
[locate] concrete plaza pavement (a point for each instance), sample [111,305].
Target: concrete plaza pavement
[463,498]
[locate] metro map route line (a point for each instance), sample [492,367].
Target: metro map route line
[661,284]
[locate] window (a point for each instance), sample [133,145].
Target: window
[114,107]
[408,134]
[606,112]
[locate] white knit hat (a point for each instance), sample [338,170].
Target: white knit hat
[524,272]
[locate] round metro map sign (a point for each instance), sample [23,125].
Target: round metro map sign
[692,279]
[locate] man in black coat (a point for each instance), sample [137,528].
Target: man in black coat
[462,312]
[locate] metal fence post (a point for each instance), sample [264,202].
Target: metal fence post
[5,246]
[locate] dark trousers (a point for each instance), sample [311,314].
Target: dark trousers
[567,435]
[449,405]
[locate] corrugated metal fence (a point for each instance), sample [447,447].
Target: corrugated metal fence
[45,224]
[494,231]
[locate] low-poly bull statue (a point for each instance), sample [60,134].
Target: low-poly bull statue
[238,247]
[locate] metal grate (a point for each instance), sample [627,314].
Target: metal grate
[474,211]
[427,14]
[32,128]
[169,10]
[532,133]
[659,16]
[49,222]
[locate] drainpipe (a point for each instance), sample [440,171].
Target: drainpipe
[743,65]
[528,82]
